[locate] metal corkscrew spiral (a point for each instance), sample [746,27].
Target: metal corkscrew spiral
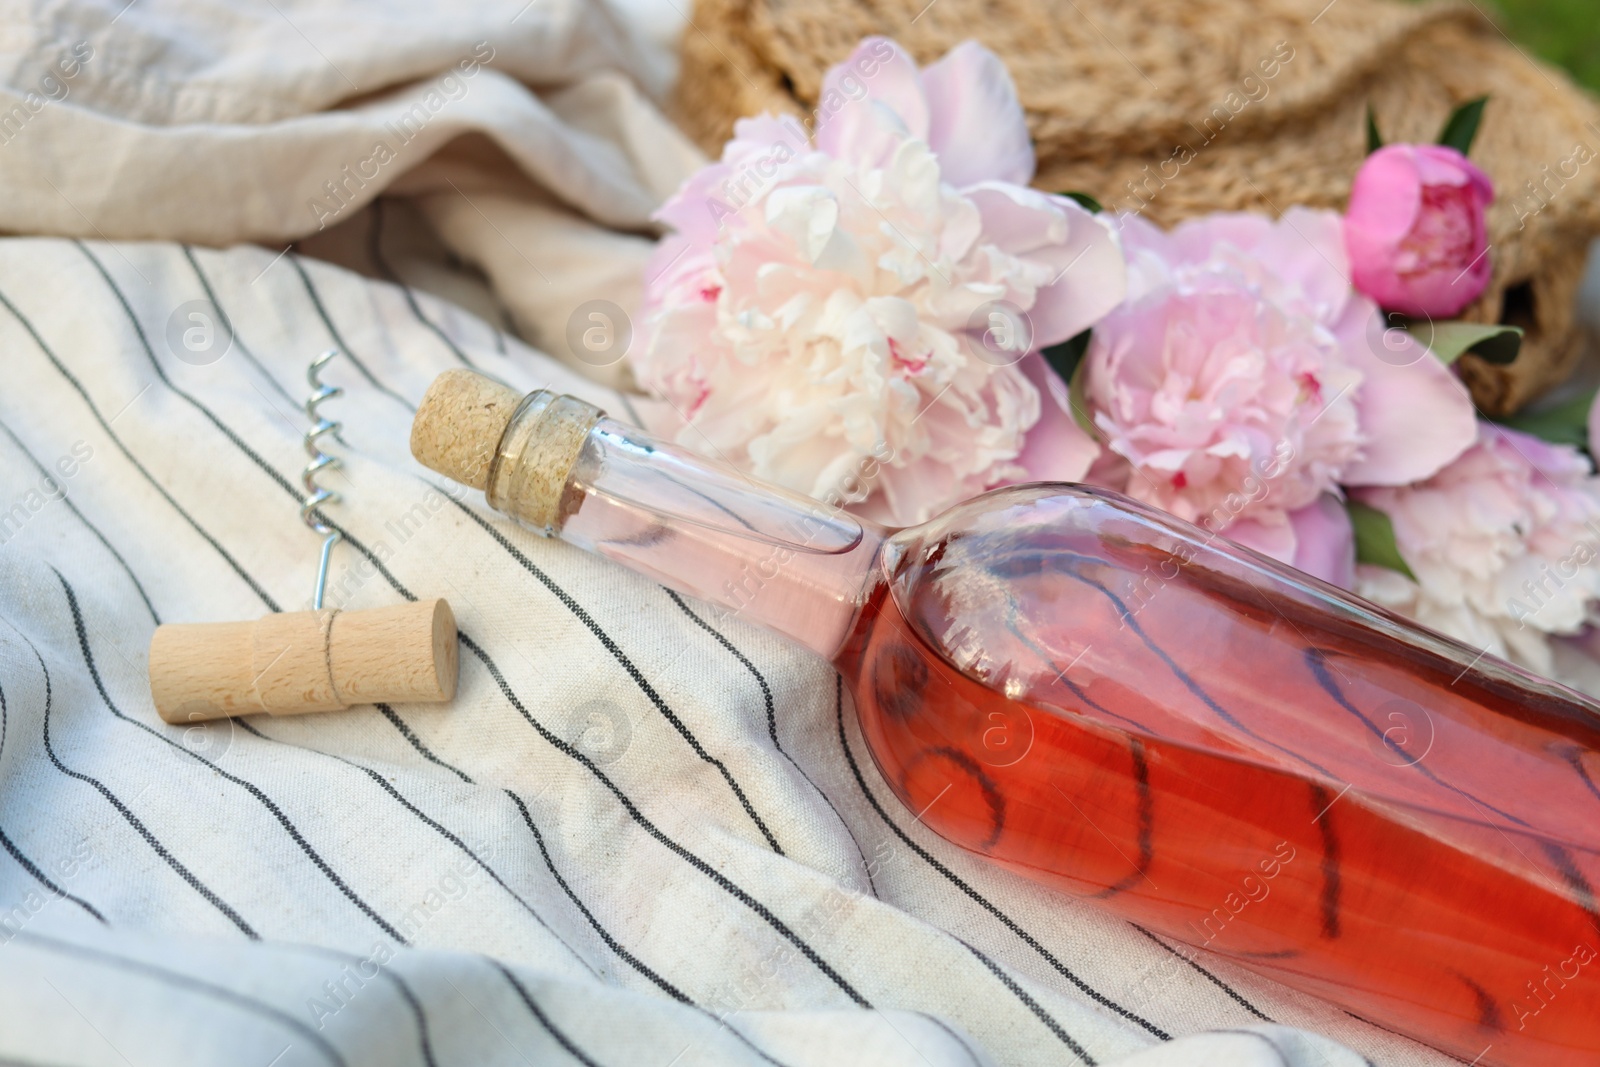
[317,496]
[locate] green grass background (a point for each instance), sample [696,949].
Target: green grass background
[1564,32]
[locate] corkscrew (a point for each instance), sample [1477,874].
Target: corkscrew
[289,663]
[317,496]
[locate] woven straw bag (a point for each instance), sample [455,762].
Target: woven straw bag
[1176,110]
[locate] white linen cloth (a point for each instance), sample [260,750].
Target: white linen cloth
[636,836]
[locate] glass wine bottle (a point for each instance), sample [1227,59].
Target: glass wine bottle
[1127,708]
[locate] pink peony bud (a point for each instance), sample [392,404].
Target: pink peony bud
[1415,229]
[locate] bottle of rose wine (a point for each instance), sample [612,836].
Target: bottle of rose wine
[1125,707]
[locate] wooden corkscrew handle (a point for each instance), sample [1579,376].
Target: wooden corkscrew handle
[304,661]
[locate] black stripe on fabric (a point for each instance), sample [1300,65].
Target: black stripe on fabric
[627,405]
[155,363]
[573,753]
[1404,1037]
[338,339]
[238,342]
[633,961]
[17,853]
[379,260]
[190,983]
[594,923]
[1032,1005]
[1322,804]
[772,724]
[266,598]
[650,828]
[538,1013]
[424,1039]
[389,788]
[416,742]
[227,431]
[54,890]
[978,898]
[122,809]
[249,787]
[1232,993]
[627,665]
[766,690]
[448,835]
[424,1036]
[66,499]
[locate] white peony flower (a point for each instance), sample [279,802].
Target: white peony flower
[1504,543]
[819,315]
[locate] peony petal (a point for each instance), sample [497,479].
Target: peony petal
[1196,240]
[865,98]
[749,166]
[1325,542]
[1416,417]
[699,204]
[807,214]
[1017,219]
[1057,449]
[1092,279]
[1270,535]
[1442,165]
[1385,197]
[1088,276]
[975,123]
[1307,247]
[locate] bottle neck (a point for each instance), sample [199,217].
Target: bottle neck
[755,551]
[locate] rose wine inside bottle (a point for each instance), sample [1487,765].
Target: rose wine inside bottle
[1131,710]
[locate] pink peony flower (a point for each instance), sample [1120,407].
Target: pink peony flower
[1318,539]
[1240,387]
[819,314]
[1503,542]
[1415,229]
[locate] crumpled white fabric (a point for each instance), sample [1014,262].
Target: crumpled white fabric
[527,132]
[637,836]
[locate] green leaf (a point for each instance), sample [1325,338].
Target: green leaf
[1374,138]
[1567,424]
[1085,201]
[1066,359]
[1078,398]
[1463,125]
[1451,340]
[1375,539]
